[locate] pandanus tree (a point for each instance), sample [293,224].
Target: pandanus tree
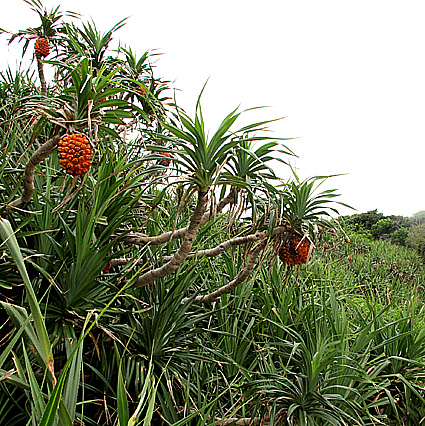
[121,211]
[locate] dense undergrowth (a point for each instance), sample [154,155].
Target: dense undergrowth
[341,341]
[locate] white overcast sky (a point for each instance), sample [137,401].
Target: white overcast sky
[349,76]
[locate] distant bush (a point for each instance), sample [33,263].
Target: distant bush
[399,230]
[382,229]
[416,239]
[363,221]
[399,236]
[419,218]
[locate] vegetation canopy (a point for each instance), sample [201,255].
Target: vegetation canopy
[153,272]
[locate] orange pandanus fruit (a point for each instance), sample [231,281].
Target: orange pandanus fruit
[295,250]
[75,154]
[166,161]
[42,47]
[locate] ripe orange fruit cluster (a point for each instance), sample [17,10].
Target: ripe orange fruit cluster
[166,161]
[292,255]
[75,154]
[42,47]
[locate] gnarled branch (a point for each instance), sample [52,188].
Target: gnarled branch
[240,278]
[28,181]
[215,251]
[183,251]
[233,242]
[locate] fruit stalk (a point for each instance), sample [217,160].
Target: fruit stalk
[41,77]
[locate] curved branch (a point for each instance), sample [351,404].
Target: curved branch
[28,181]
[240,278]
[237,241]
[215,251]
[141,239]
[123,261]
[183,251]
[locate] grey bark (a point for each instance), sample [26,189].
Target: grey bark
[240,278]
[237,241]
[28,181]
[183,251]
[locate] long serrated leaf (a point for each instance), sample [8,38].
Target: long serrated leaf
[122,402]
[71,388]
[37,397]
